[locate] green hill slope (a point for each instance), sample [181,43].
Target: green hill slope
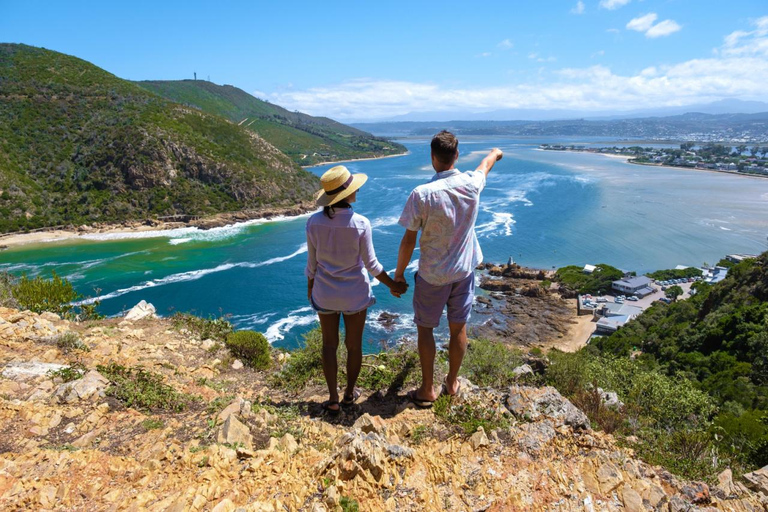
[79,145]
[306,139]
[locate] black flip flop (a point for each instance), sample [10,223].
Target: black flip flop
[419,402]
[347,400]
[327,407]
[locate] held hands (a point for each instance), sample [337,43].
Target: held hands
[399,286]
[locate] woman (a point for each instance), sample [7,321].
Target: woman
[339,250]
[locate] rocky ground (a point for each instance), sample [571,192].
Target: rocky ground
[242,445]
[519,310]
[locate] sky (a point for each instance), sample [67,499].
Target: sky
[358,60]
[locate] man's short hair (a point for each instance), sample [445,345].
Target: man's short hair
[445,147]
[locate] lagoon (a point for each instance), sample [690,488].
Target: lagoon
[544,209]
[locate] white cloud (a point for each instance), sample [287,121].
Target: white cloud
[505,44]
[485,54]
[739,69]
[662,29]
[613,30]
[642,23]
[598,53]
[646,24]
[754,42]
[613,4]
[578,8]
[533,55]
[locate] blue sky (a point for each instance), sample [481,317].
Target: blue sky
[359,60]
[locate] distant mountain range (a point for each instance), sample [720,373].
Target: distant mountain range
[725,106]
[80,145]
[691,126]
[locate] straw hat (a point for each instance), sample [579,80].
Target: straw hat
[338,183]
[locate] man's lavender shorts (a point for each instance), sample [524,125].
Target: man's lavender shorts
[429,301]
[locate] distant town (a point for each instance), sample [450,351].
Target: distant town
[739,159]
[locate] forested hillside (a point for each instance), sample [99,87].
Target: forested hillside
[718,339]
[306,139]
[79,145]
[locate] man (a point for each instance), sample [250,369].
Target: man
[445,210]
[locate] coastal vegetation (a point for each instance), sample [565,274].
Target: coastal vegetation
[79,145]
[38,294]
[307,140]
[715,345]
[599,281]
[675,273]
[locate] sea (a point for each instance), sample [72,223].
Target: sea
[543,209]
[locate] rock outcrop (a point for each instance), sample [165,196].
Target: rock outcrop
[243,445]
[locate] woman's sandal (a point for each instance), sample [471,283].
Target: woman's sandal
[348,400]
[419,402]
[327,407]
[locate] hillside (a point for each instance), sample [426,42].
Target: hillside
[307,140]
[79,145]
[145,414]
[718,340]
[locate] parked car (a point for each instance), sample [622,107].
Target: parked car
[665,300]
[632,298]
[602,299]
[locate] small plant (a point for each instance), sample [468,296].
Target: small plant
[214,385]
[68,373]
[216,329]
[71,341]
[218,403]
[7,282]
[349,504]
[142,389]
[469,416]
[152,423]
[198,448]
[286,419]
[305,365]
[251,347]
[418,434]
[202,462]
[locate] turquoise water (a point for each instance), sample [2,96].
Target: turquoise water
[544,209]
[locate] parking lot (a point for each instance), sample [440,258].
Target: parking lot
[646,301]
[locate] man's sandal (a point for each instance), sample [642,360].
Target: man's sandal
[419,402]
[444,389]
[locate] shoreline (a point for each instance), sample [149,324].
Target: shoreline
[354,160]
[628,159]
[217,220]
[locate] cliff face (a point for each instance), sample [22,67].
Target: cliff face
[235,442]
[79,145]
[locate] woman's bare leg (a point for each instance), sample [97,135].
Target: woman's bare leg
[329,325]
[353,339]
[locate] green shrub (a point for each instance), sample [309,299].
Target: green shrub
[469,415]
[204,328]
[39,294]
[55,295]
[489,363]
[142,389]
[349,504]
[251,347]
[391,370]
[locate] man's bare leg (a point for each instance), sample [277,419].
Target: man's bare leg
[457,347]
[427,359]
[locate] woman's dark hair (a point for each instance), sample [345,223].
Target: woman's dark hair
[329,211]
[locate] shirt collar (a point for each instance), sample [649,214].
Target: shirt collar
[445,174]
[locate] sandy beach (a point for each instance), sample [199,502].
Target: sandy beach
[355,160]
[138,227]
